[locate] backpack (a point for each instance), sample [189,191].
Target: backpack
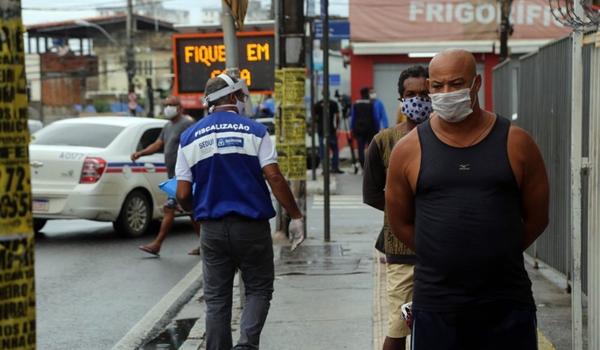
[364,119]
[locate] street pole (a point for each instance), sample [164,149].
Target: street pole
[505,28]
[325,119]
[129,53]
[232,65]
[313,124]
[576,162]
[17,319]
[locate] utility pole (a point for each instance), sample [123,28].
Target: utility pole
[325,120]
[17,319]
[129,53]
[290,64]
[232,64]
[505,28]
[232,67]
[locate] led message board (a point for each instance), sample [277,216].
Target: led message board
[199,57]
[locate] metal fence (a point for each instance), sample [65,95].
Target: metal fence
[537,87]
[592,57]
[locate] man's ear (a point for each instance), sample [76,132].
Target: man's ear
[478,82]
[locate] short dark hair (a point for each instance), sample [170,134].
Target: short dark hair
[216,84]
[411,72]
[364,92]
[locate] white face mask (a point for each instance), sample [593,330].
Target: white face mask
[170,112]
[454,106]
[372,95]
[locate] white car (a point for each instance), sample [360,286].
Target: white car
[81,169]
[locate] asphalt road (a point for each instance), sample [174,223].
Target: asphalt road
[93,286]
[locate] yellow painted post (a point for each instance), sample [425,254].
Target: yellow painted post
[17,291]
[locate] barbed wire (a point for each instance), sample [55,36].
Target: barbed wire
[564,12]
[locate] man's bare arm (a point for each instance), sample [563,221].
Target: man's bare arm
[374,178]
[184,195]
[399,196]
[534,186]
[154,147]
[281,190]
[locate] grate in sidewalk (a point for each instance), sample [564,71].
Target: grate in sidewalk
[316,260]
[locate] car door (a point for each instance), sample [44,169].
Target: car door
[152,166]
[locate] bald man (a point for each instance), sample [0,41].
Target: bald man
[468,192]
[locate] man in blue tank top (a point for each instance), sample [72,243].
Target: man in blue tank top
[228,157]
[468,192]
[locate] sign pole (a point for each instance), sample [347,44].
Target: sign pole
[232,62]
[17,319]
[325,119]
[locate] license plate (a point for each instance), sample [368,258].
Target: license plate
[40,205]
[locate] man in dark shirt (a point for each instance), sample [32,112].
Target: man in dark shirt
[400,260]
[334,120]
[468,192]
[168,142]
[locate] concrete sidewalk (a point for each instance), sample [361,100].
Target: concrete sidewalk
[332,295]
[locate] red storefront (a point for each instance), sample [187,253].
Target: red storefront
[388,36]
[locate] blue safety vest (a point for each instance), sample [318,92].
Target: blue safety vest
[222,152]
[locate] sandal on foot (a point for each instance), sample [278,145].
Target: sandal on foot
[194,251]
[149,250]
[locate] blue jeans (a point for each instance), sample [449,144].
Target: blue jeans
[333,146]
[229,244]
[363,141]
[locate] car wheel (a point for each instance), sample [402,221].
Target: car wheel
[38,224]
[136,215]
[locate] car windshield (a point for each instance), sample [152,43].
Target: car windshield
[80,134]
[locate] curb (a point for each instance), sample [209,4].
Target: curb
[197,336]
[379,302]
[161,314]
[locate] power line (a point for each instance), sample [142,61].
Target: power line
[97,6]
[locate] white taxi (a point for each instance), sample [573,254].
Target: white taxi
[81,169]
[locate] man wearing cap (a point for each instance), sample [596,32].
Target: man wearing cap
[169,141]
[228,157]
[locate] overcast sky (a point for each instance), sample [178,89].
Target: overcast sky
[39,11]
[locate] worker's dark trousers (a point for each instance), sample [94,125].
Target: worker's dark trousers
[229,244]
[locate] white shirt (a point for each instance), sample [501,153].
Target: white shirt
[267,154]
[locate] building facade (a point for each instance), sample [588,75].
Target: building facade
[392,36]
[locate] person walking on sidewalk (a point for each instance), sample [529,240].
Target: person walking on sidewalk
[363,123]
[334,121]
[416,105]
[228,157]
[378,109]
[168,140]
[468,192]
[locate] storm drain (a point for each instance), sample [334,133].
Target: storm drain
[172,337]
[315,260]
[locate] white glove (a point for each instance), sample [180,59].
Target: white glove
[296,230]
